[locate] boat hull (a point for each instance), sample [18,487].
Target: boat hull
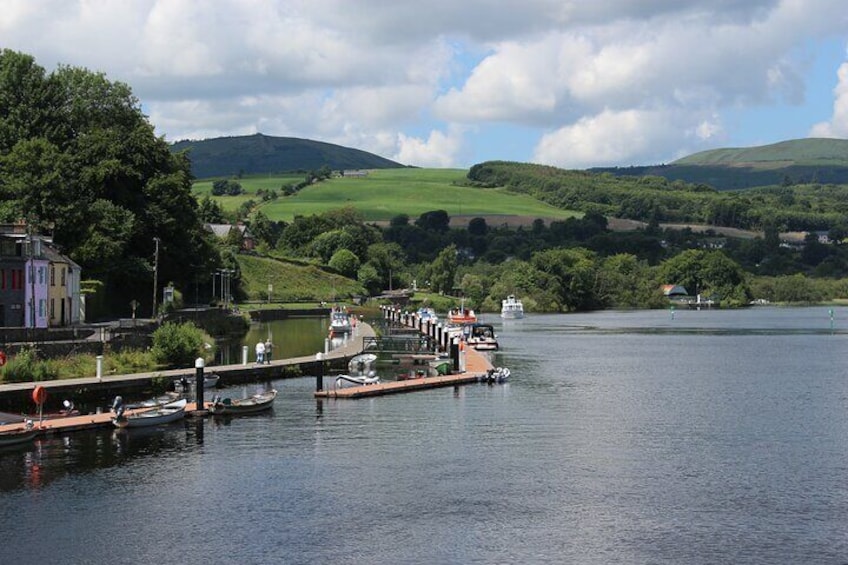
[155,417]
[249,405]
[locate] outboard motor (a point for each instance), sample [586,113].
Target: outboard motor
[118,407]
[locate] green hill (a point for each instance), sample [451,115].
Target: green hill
[798,161]
[811,152]
[262,154]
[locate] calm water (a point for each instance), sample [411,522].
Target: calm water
[713,437]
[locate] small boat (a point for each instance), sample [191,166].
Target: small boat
[344,381]
[361,371]
[249,405]
[481,337]
[496,375]
[340,323]
[427,315]
[154,402]
[153,417]
[512,308]
[18,437]
[462,315]
[185,384]
[67,411]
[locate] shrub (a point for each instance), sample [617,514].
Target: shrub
[178,345]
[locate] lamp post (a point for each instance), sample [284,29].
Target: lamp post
[155,273]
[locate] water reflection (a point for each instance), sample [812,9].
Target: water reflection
[294,337]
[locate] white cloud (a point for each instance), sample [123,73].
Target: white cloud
[370,73]
[439,150]
[838,124]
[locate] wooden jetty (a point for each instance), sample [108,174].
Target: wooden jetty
[87,421]
[477,365]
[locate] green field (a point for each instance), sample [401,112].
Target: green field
[250,185]
[387,193]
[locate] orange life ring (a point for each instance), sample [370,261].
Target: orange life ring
[2,358]
[39,395]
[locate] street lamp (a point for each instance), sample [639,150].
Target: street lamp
[155,273]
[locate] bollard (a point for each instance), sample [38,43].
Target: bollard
[319,374]
[99,359]
[454,355]
[244,355]
[199,363]
[326,345]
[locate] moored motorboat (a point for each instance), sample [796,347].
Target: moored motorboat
[512,308]
[249,405]
[155,416]
[426,314]
[462,315]
[340,323]
[481,337]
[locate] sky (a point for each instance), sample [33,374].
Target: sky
[451,83]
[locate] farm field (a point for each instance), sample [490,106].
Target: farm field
[386,193]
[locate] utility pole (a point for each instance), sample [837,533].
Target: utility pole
[155,273]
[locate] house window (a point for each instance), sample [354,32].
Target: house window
[63,276]
[41,306]
[41,275]
[52,275]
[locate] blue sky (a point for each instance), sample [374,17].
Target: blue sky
[568,83]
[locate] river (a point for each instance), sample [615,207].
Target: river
[622,437]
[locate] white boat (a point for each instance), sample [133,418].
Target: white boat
[345,381]
[339,323]
[512,308]
[361,371]
[496,375]
[481,337]
[153,417]
[428,315]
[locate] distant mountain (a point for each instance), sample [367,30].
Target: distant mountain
[263,154]
[797,161]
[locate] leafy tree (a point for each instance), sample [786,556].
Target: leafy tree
[77,154]
[477,226]
[437,220]
[370,279]
[345,262]
[210,212]
[443,270]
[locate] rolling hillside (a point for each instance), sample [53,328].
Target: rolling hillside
[798,161]
[262,154]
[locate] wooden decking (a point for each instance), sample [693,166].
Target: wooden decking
[477,365]
[83,422]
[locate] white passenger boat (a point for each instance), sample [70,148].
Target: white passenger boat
[512,308]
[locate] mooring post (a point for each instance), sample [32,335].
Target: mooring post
[199,363]
[319,374]
[454,354]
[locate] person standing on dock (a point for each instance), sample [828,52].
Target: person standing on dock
[268,347]
[260,352]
